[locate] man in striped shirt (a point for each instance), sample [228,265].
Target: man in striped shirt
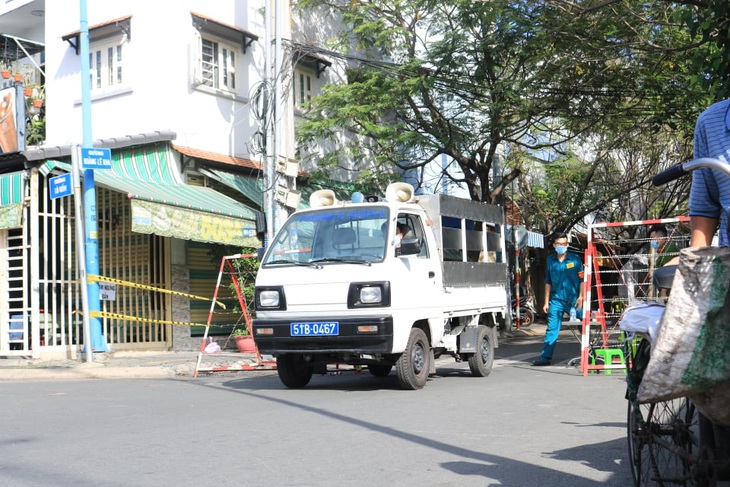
[709,201]
[709,198]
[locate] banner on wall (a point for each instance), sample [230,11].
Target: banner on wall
[11,216]
[183,223]
[12,117]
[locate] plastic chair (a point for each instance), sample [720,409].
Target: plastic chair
[610,356]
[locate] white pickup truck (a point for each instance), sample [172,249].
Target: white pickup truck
[340,285]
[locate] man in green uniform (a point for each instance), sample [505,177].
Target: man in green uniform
[563,290]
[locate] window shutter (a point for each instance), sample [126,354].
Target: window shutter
[196,75]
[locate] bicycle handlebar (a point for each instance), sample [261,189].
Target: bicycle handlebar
[680,170]
[670,174]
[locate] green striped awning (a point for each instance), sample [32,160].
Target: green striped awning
[12,194]
[251,187]
[164,205]
[47,167]
[12,188]
[151,175]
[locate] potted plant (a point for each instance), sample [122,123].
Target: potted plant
[37,98]
[244,341]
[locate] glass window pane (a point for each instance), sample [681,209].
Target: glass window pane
[224,67]
[110,67]
[98,69]
[301,88]
[207,61]
[232,64]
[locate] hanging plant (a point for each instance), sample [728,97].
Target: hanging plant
[37,103]
[36,130]
[28,91]
[18,77]
[5,73]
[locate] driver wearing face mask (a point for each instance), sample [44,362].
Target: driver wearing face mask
[563,290]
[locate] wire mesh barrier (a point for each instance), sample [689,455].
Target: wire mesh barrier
[621,260]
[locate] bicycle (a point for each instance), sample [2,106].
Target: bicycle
[670,442]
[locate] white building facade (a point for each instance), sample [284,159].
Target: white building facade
[181,97]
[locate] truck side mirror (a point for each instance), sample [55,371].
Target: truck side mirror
[260,254]
[408,246]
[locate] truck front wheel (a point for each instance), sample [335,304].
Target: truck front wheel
[480,363]
[414,363]
[293,371]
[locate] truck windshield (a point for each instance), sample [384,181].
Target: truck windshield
[332,235]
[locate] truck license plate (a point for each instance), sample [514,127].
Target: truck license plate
[315,328]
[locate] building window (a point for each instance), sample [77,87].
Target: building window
[303,86]
[106,64]
[218,65]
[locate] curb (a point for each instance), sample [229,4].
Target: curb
[93,371]
[120,367]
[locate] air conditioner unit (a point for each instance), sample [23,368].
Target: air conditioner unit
[287,167]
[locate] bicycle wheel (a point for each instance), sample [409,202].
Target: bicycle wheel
[637,430]
[662,435]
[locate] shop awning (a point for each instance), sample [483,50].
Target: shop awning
[12,194]
[13,47]
[164,205]
[525,238]
[535,240]
[249,186]
[253,188]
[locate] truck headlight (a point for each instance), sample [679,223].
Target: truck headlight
[270,297]
[371,294]
[368,294]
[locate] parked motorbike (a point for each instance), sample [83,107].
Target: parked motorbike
[527,311]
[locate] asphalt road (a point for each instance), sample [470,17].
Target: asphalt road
[521,426]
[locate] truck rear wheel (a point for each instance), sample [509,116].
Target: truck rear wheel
[293,371]
[481,362]
[414,363]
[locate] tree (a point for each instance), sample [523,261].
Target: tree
[555,90]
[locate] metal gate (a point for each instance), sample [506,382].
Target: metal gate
[40,294]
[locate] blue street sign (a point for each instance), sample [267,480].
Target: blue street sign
[61,186]
[93,158]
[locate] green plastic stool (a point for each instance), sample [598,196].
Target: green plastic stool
[630,344]
[609,356]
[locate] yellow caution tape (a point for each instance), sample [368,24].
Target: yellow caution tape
[117,316]
[94,278]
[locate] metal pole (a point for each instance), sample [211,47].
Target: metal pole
[97,342]
[278,106]
[81,248]
[269,164]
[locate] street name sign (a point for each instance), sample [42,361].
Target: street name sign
[61,186]
[96,158]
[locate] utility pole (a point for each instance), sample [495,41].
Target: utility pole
[269,124]
[94,342]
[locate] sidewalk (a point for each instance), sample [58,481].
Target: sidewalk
[119,365]
[154,365]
